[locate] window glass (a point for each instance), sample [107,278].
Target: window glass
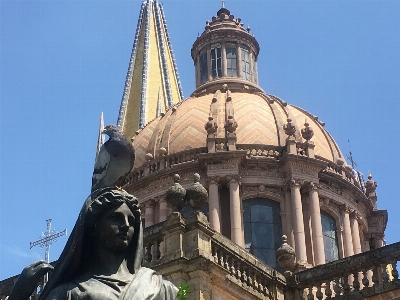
[262,229]
[231,60]
[203,66]
[329,237]
[245,62]
[216,61]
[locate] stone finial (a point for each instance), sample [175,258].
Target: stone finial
[211,126]
[148,156]
[286,256]
[307,132]
[289,128]
[196,195]
[162,151]
[231,124]
[370,185]
[176,195]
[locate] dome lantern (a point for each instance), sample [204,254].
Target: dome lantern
[225,52]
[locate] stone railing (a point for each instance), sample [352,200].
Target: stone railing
[259,150]
[245,269]
[165,162]
[361,276]
[186,241]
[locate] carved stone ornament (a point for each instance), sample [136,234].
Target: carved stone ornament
[370,185]
[176,195]
[307,132]
[196,195]
[286,256]
[211,126]
[289,128]
[231,124]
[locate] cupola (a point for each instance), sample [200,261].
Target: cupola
[225,53]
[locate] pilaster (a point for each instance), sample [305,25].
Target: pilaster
[299,234]
[347,236]
[316,225]
[214,211]
[149,213]
[235,210]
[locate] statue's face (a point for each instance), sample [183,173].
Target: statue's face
[114,230]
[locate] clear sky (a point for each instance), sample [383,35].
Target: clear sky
[64,62]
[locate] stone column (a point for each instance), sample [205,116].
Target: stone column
[149,213]
[316,225]
[347,238]
[223,56]
[209,62]
[235,214]
[239,60]
[214,212]
[366,246]
[299,235]
[355,233]
[164,209]
[379,240]
[289,219]
[284,208]
[197,71]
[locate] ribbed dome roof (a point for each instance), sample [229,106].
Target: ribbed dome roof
[260,118]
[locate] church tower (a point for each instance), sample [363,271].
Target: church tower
[152,83]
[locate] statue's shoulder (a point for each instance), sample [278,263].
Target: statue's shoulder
[60,292]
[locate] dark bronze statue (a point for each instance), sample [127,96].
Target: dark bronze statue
[102,258]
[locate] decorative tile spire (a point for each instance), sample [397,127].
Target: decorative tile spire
[152,72]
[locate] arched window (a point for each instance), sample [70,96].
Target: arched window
[216,69]
[245,62]
[262,228]
[330,237]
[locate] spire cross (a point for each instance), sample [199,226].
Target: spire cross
[223,3]
[47,239]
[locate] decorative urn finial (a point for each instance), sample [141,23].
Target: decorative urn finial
[231,124]
[307,132]
[370,185]
[211,126]
[289,128]
[286,256]
[176,195]
[196,195]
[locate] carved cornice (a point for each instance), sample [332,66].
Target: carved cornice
[257,189]
[377,221]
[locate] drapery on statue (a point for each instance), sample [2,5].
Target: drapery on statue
[102,258]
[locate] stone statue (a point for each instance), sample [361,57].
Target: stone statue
[102,258]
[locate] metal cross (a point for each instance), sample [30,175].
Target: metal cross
[47,239]
[223,3]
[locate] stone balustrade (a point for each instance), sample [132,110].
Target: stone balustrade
[255,150]
[371,274]
[164,162]
[190,242]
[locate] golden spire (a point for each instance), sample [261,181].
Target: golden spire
[152,73]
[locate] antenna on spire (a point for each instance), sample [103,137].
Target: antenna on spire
[223,3]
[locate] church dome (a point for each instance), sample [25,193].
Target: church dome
[225,58]
[260,118]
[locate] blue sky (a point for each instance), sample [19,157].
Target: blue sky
[64,62]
